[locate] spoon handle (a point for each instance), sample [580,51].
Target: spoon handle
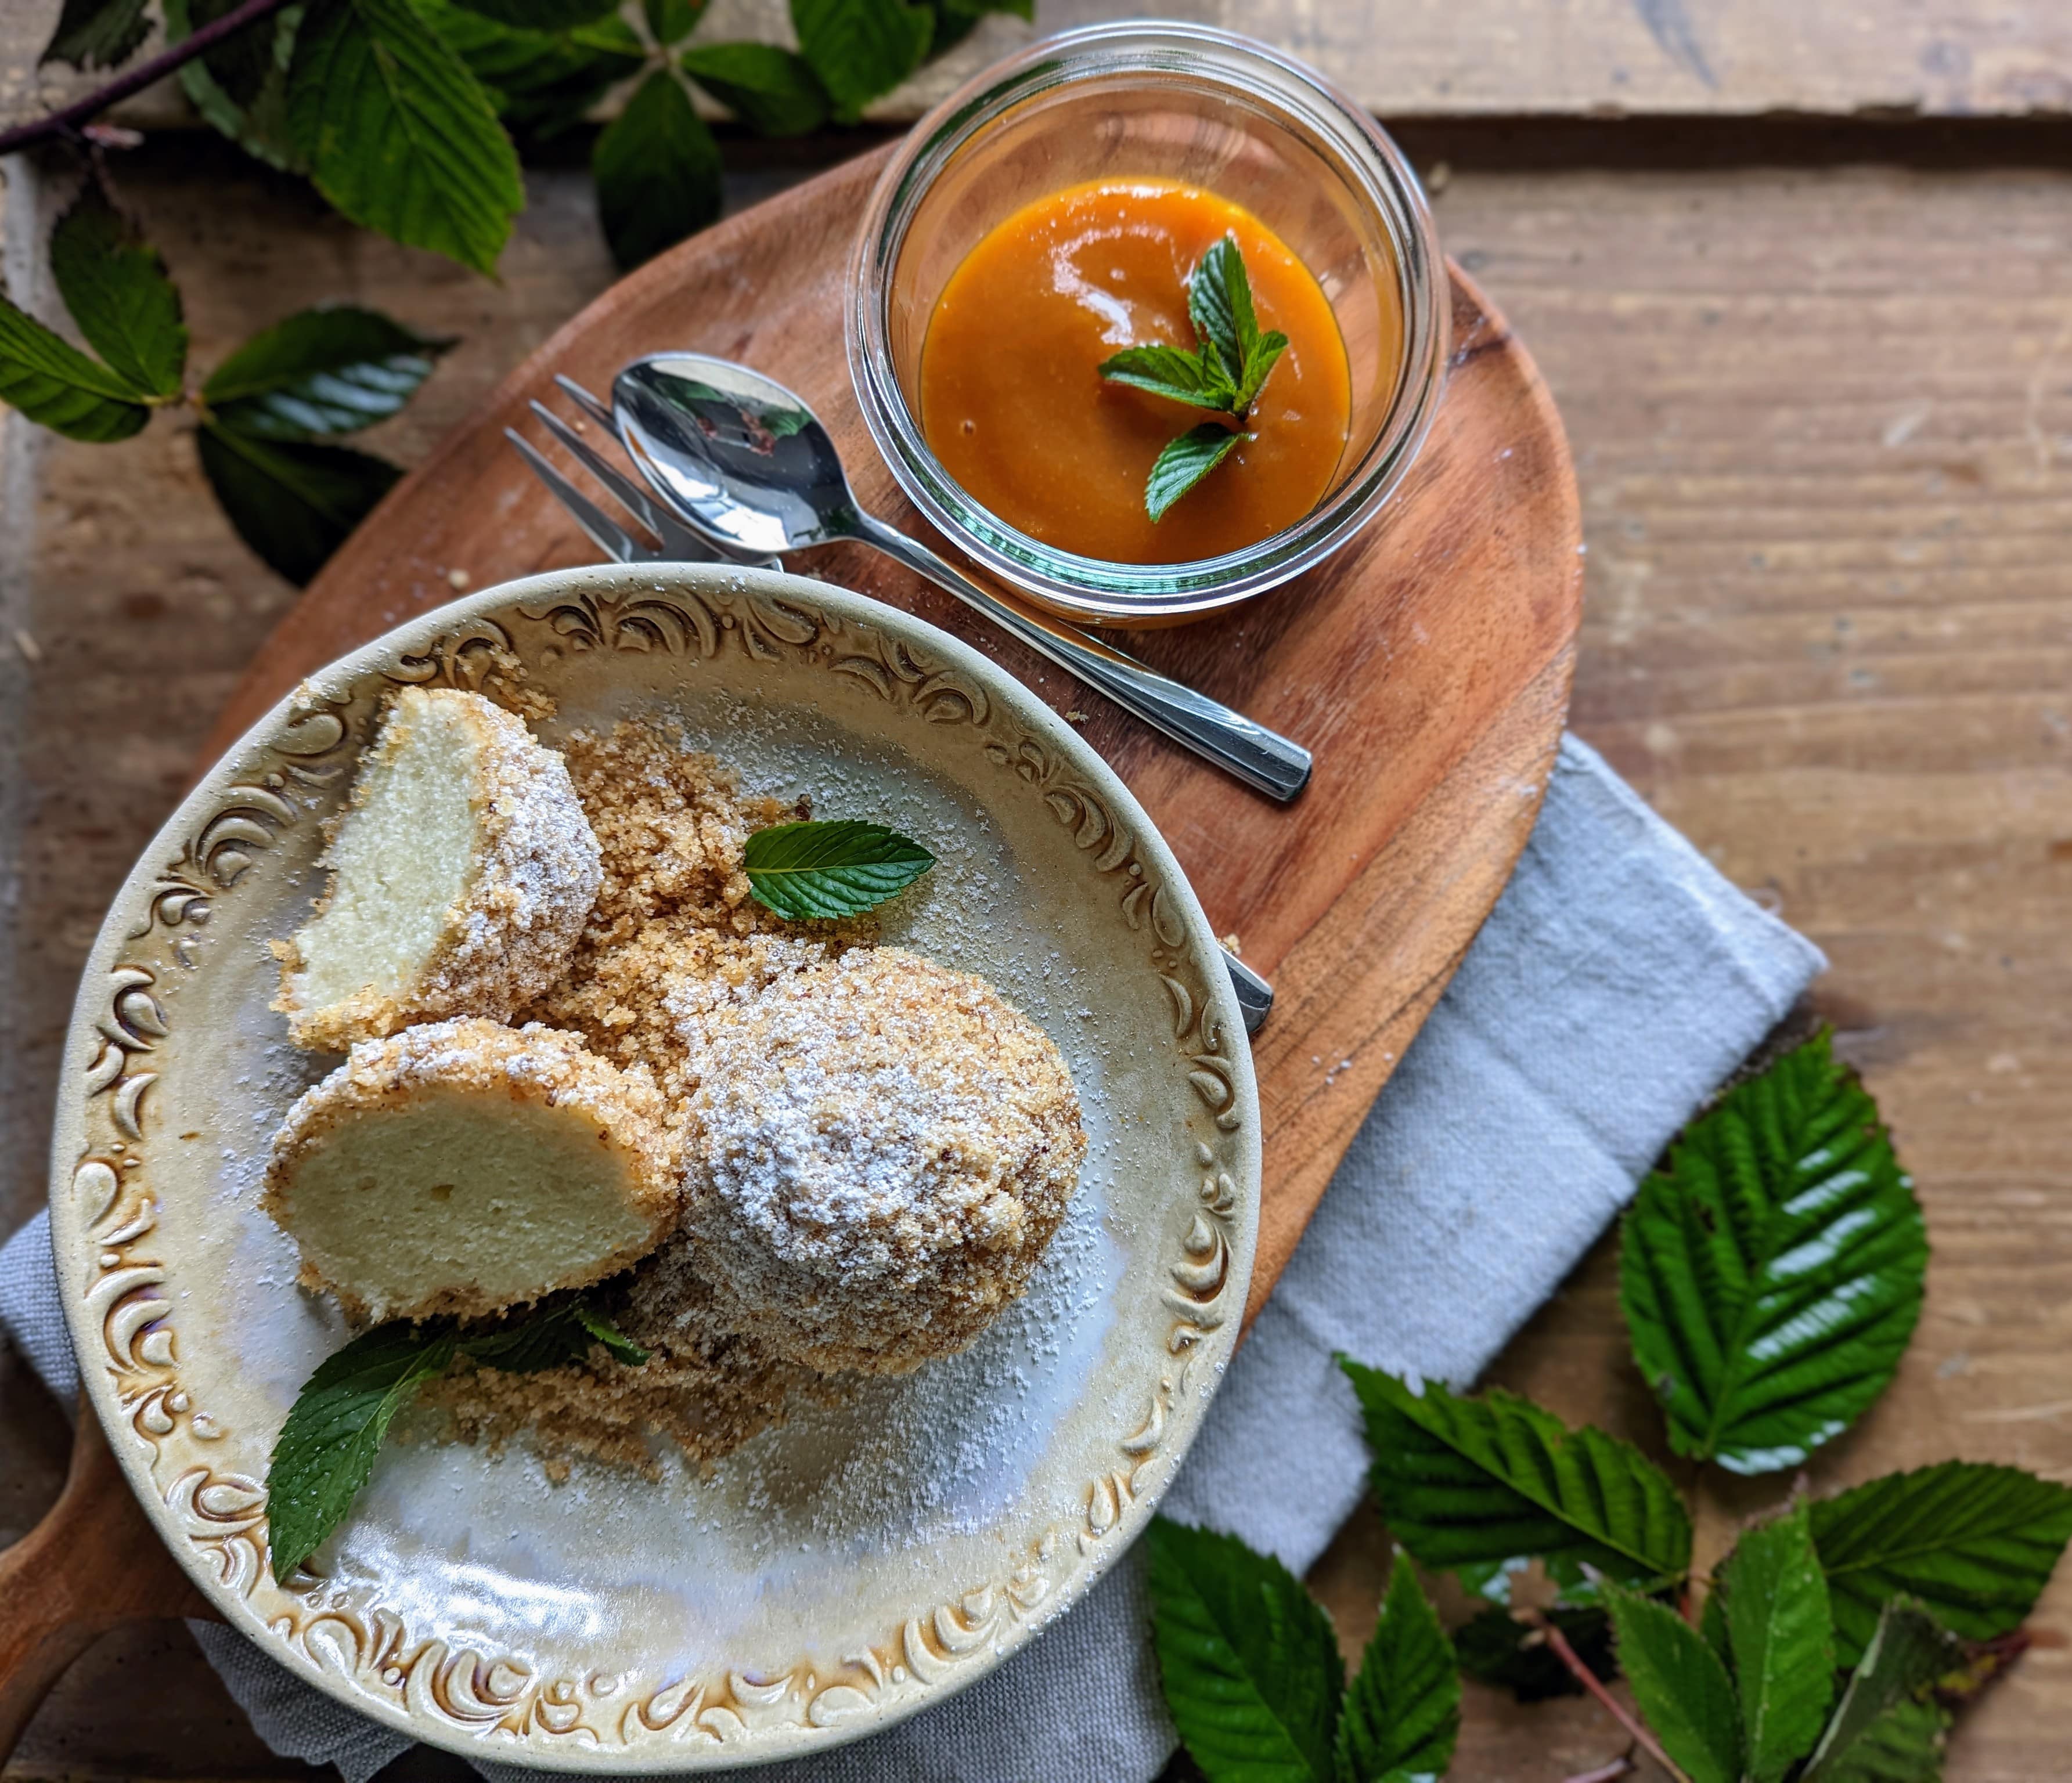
[1263,759]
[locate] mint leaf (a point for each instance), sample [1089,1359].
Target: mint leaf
[1681,1689]
[602,1330]
[543,82]
[399,136]
[57,386]
[658,172]
[557,1338]
[1495,1648]
[541,15]
[240,84]
[1248,1662]
[770,89]
[1169,371]
[329,370]
[1260,360]
[1403,1713]
[116,287]
[1771,1275]
[1477,1484]
[97,33]
[1906,1651]
[325,1450]
[292,503]
[1974,1543]
[1782,1635]
[1185,462]
[828,869]
[861,49]
[1219,305]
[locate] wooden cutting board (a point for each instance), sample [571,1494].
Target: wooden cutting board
[1427,665]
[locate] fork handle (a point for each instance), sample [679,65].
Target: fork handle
[1263,759]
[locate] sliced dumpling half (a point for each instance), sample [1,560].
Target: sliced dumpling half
[464,1168]
[461,875]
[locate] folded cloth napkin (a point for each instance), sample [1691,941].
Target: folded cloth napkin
[1618,980]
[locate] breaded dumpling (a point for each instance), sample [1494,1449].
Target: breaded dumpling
[464,1167]
[462,873]
[883,1148]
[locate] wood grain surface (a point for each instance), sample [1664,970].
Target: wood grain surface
[1427,663]
[1818,382]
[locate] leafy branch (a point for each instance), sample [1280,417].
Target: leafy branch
[1772,1271]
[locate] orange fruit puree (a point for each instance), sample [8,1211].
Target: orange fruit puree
[1014,404]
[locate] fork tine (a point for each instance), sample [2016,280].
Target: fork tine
[612,540]
[587,403]
[678,539]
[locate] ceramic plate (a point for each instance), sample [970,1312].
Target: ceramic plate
[835,1574]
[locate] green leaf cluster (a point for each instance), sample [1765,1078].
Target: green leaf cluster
[1230,361]
[325,1453]
[1250,1670]
[837,868]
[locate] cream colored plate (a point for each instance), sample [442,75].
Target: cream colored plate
[834,1576]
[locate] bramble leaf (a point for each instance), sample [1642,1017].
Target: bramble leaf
[97,33]
[1780,1635]
[541,82]
[399,137]
[119,293]
[541,15]
[956,19]
[1495,1648]
[769,89]
[240,84]
[1402,1714]
[328,370]
[57,386]
[839,868]
[1772,1273]
[1477,1484]
[1681,1687]
[292,503]
[1878,1712]
[658,172]
[1974,1543]
[861,49]
[1247,1658]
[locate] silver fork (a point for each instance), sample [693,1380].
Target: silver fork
[678,543]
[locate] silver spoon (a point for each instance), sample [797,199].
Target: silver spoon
[745,462]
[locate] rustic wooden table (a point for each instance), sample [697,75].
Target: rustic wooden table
[1800,278]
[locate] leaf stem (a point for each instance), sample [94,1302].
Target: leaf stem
[68,118]
[1621,1766]
[1558,1643]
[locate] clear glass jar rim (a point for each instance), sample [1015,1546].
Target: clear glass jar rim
[1092,586]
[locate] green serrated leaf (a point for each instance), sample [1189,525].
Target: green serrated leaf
[1781,1634]
[1680,1686]
[658,172]
[1402,1714]
[97,33]
[602,1330]
[1771,1275]
[1495,1648]
[118,292]
[1265,353]
[1904,1745]
[1475,1484]
[1906,1651]
[1712,1624]
[292,503]
[1170,371]
[325,1450]
[240,84]
[861,49]
[1247,1659]
[544,81]
[556,1338]
[770,89]
[399,137]
[1974,1543]
[327,371]
[57,386]
[541,15]
[1185,461]
[672,20]
[1219,305]
[835,868]
[956,19]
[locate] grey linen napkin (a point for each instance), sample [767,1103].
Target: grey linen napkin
[1618,980]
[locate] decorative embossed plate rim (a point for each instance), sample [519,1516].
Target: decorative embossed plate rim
[200,1482]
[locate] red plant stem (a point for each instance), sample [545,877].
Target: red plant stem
[1559,1643]
[69,117]
[1619,1767]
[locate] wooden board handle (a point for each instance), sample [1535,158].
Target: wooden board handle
[93,1561]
